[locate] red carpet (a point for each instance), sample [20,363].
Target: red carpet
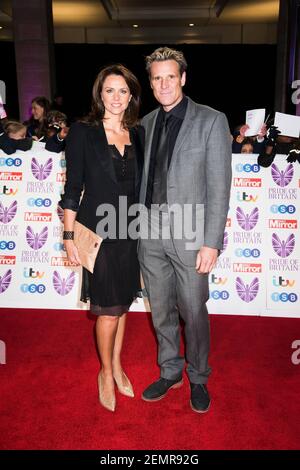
[49,400]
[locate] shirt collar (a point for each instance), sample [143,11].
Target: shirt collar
[179,110]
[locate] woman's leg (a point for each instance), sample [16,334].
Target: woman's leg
[116,358]
[106,331]
[120,377]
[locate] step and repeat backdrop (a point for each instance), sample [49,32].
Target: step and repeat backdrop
[256,273]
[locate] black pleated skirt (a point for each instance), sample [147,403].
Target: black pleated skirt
[115,282]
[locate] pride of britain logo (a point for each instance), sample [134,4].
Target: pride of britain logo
[5,281]
[247,221]
[283,248]
[63,285]
[8,213]
[247,292]
[282,177]
[36,240]
[225,242]
[41,171]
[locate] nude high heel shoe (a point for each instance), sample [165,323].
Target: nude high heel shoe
[107,402]
[124,385]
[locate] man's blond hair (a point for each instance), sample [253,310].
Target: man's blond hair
[13,127]
[166,53]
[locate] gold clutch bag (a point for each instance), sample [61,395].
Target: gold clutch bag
[87,243]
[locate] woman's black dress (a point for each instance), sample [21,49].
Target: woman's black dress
[115,281]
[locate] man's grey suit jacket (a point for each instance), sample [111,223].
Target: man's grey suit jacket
[199,176]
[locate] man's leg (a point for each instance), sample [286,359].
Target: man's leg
[160,282]
[192,295]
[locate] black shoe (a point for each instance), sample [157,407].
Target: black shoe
[200,399]
[159,389]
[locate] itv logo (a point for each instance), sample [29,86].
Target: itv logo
[279,281]
[218,280]
[244,197]
[31,273]
[8,191]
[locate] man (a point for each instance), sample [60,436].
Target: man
[187,166]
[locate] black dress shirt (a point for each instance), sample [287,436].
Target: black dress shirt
[175,119]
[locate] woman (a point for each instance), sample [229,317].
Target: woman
[104,154]
[37,123]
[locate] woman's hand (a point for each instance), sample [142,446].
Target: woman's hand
[262,131]
[72,252]
[243,130]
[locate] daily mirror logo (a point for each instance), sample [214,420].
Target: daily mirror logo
[247,268]
[11,175]
[283,223]
[247,182]
[37,216]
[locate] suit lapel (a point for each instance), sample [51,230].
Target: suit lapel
[148,145]
[100,145]
[185,130]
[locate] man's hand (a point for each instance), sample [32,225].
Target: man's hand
[206,259]
[64,132]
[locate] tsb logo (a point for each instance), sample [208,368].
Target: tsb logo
[39,202]
[282,209]
[247,253]
[219,295]
[247,168]
[284,297]
[10,161]
[10,245]
[59,246]
[33,288]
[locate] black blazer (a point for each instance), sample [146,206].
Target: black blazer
[90,167]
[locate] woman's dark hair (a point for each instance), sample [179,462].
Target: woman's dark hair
[43,102]
[40,127]
[130,119]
